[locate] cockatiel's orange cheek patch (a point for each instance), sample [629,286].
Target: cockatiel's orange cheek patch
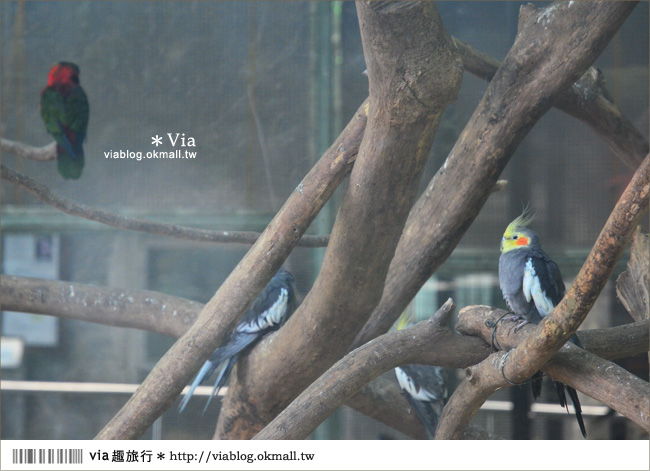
[522,241]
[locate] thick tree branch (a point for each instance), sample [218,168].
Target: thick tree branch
[217,319]
[359,367]
[147,310]
[556,328]
[633,285]
[552,50]
[407,98]
[580,369]
[157,312]
[576,367]
[109,218]
[587,100]
[144,310]
[42,154]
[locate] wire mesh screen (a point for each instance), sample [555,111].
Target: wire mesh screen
[250,94]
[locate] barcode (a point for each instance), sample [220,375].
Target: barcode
[47,456]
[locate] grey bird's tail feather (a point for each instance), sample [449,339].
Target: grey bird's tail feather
[573,394]
[224,374]
[229,352]
[536,384]
[425,413]
[206,370]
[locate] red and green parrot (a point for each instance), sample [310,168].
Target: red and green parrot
[64,109]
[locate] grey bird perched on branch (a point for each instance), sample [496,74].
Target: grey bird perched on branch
[424,387]
[532,286]
[267,313]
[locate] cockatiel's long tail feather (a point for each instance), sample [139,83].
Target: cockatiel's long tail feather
[229,352]
[223,376]
[536,384]
[573,394]
[425,413]
[206,370]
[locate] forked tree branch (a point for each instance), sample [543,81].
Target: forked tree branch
[587,100]
[429,342]
[581,369]
[407,98]
[112,219]
[556,328]
[217,319]
[553,49]
[361,366]
[170,315]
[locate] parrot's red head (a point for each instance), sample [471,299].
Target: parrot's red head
[63,73]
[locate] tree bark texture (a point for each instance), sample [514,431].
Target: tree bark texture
[217,319]
[553,48]
[516,366]
[382,399]
[44,154]
[581,369]
[633,284]
[412,79]
[587,100]
[147,310]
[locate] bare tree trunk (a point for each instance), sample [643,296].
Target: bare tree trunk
[407,97]
[553,49]
[217,319]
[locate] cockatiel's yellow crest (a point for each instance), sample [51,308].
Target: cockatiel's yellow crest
[517,235]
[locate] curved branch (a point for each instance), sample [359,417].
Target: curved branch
[586,100]
[556,328]
[109,218]
[580,369]
[545,60]
[359,367]
[381,399]
[407,98]
[147,310]
[42,154]
[217,319]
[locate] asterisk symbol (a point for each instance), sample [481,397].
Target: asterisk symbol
[156,140]
[161,456]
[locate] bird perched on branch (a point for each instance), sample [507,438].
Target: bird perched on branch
[267,313]
[532,286]
[424,387]
[65,110]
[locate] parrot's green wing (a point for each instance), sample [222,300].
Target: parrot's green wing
[52,111]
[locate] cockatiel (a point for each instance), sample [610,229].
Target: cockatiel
[424,386]
[532,286]
[267,313]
